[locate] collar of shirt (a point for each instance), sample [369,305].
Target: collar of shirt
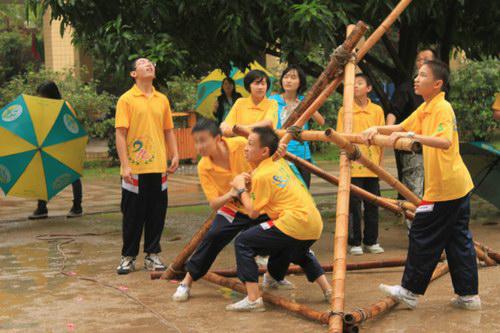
[358,108]
[281,100]
[138,92]
[265,163]
[429,106]
[262,106]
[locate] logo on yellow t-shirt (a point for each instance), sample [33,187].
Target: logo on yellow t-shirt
[140,151]
[280,181]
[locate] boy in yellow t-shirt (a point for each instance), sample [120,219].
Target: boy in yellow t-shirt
[256,110]
[144,130]
[442,218]
[365,115]
[222,159]
[294,226]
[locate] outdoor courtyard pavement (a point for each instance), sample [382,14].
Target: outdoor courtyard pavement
[102,194]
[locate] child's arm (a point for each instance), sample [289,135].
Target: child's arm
[239,183]
[431,141]
[219,202]
[318,118]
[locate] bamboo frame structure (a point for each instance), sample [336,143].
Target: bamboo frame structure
[491,253]
[380,140]
[335,322]
[176,268]
[481,255]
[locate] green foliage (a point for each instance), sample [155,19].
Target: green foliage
[181,92]
[91,107]
[329,111]
[15,54]
[473,89]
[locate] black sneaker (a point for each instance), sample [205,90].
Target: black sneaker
[127,265]
[39,214]
[75,212]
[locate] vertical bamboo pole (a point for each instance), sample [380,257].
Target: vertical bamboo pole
[342,218]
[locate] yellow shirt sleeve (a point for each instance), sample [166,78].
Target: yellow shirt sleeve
[340,120]
[412,123]
[207,184]
[122,116]
[272,113]
[496,104]
[445,124]
[168,121]
[261,192]
[231,116]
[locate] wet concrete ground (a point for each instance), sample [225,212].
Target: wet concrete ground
[35,297]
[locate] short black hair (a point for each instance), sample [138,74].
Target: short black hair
[133,64]
[302,77]
[366,78]
[440,72]
[209,125]
[255,75]
[49,89]
[435,55]
[267,138]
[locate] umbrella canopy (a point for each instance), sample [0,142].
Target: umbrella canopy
[209,87]
[42,147]
[483,162]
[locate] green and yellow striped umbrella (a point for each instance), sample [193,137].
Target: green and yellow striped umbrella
[41,149]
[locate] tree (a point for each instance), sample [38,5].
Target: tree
[194,37]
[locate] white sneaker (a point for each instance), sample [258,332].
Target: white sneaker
[182,293]
[245,305]
[127,265]
[261,261]
[469,302]
[328,296]
[356,250]
[152,262]
[401,294]
[375,248]
[270,282]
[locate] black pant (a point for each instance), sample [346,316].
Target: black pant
[147,208]
[445,227]
[77,196]
[281,249]
[370,214]
[219,235]
[306,175]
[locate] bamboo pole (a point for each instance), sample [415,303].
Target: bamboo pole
[353,151]
[335,323]
[334,68]
[395,206]
[481,255]
[303,114]
[176,268]
[491,253]
[270,298]
[358,316]
[380,140]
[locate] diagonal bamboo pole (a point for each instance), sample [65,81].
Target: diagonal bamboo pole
[491,253]
[482,256]
[395,206]
[304,113]
[176,268]
[335,323]
[380,140]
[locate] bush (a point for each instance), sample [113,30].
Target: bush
[91,108]
[472,93]
[15,54]
[329,111]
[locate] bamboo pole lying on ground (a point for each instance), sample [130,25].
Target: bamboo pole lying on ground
[335,67]
[490,252]
[284,303]
[353,152]
[335,323]
[176,268]
[302,114]
[395,206]
[405,144]
[358,316]
[482,256]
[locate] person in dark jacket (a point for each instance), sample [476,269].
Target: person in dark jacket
[228,95]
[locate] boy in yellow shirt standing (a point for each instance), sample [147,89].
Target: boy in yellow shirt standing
[222,160]
[442,218]
[295,222]
[365,115]
[144,130]
[256,110]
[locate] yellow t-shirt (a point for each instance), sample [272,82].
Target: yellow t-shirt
[245,112]
[445,175]
[146,120]
[279,194]
[363,118]
[215,180]
[496,103]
